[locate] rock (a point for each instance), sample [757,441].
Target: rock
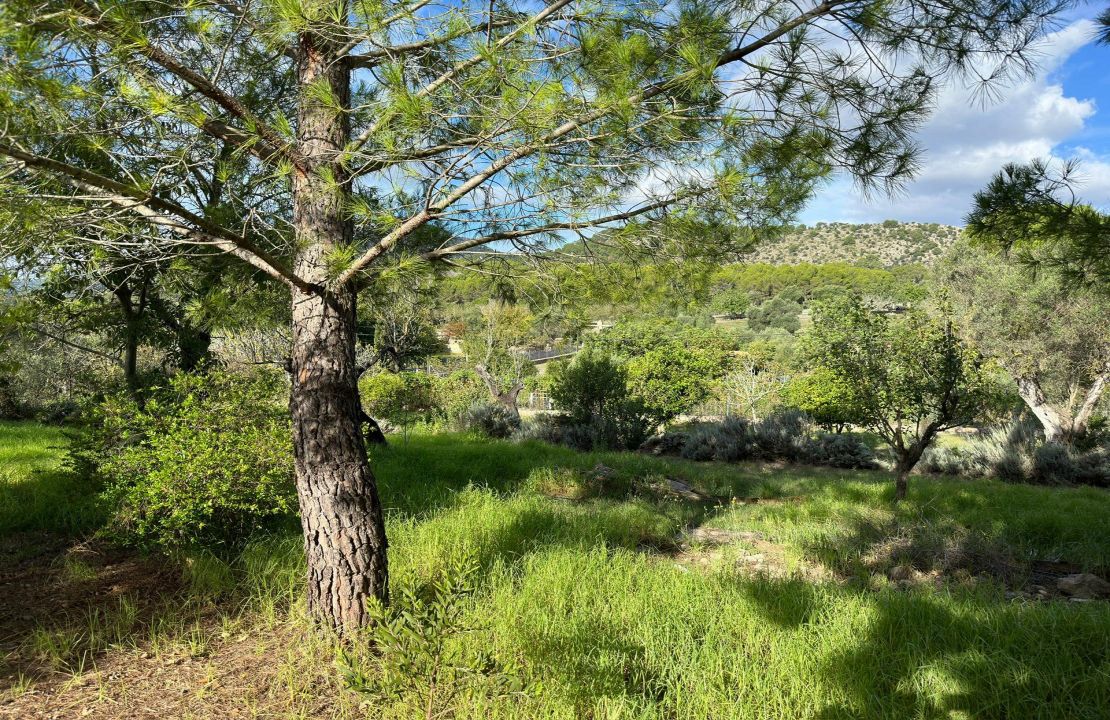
[1084,586]
[675,486]
[601,471]
[900,573]
[714,536]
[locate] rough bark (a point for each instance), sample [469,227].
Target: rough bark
[508,399]
[907,461]
[341,515]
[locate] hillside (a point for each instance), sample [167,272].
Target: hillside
[883,244]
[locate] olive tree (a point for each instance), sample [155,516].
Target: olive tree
[1051,336]
[908,378]
[346,127]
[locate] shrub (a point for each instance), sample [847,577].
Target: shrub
[411,661]
[781,435]
[729,440]
[1014,453]
[491,420]
[600,412]
[460,391]
[208,460]
[840,450]
[784,435]
[669,380]
[403,399]
[591,387]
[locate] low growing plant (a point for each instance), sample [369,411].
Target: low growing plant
[206,461]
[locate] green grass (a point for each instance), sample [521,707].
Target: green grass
[566,592]
[35,492]
[570,596]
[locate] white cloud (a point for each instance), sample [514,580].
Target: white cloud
[967,141]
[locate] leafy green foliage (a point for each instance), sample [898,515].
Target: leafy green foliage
[778,312]
[823,395]
[460,391]
[1033,211]
[1051,337]
[909,377]
[601,408]
[207,460]
[415,659]
[403,399]
[591,387]
[670,380]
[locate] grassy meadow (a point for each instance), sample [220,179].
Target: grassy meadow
[586,602]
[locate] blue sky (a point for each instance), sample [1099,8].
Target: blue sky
[1063,111]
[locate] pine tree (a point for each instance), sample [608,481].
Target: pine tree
[347,127]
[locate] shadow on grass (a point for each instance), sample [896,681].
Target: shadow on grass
[65,605]
[920,655]
[54,501]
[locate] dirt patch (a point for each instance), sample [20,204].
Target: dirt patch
[748,552]
[48,583]
[236,678]
[171,661]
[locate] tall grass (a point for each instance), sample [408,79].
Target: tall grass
[576,597]
[601,628]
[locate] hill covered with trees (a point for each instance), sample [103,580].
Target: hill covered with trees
[884,244]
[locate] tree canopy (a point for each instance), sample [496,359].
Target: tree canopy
[908,378]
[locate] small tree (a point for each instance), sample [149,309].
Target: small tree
[825,397]
[910,377]
[493,343]
[752,385]
[590,388]
[670,380]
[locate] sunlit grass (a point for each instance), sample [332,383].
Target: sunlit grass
[580,596]
[35,492]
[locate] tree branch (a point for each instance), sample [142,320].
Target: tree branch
[161,213]
[199,82]
[523,151]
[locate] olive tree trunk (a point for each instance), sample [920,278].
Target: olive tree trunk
[341,515]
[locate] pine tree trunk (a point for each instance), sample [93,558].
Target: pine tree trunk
[344,531]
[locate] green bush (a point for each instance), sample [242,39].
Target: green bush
[403,399]
[206,461]
[460,391]
[491,420]
[600,410]
[670,380]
